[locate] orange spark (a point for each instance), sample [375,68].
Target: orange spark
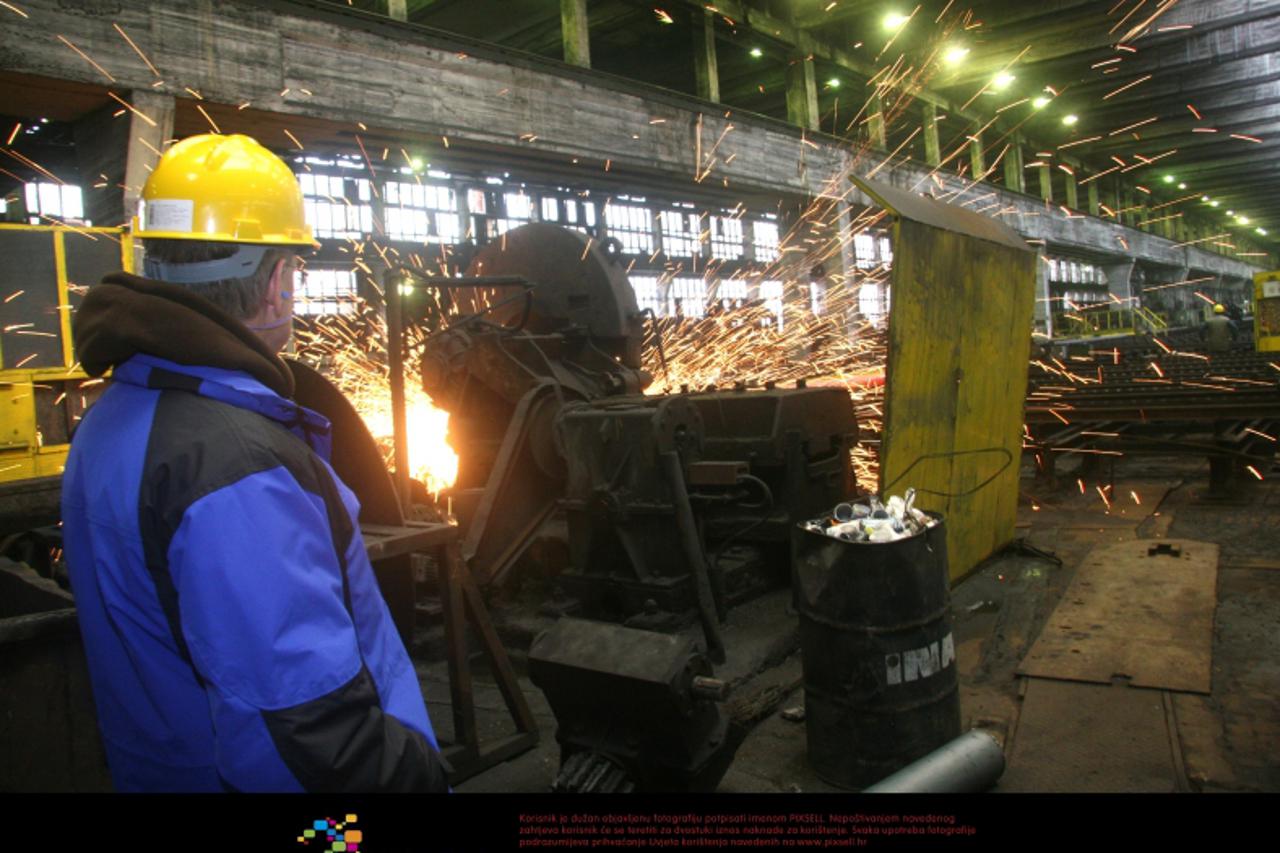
[131,108]
[85,57]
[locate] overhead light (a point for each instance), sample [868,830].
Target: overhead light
[1002,80]
[894,21]
[1182,186]
[1040,102]
[1231,213]
[416,162]
[1261,231]
[1168,179]
[1070,119]
[1243,220]
[955,55]
[834,82]
[757,52]
[1213,203]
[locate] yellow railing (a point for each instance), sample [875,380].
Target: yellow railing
[1092,323]
[43,391]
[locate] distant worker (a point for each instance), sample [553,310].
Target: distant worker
[1218,331]
[235,634]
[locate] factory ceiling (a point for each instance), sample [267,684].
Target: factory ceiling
[1178,98]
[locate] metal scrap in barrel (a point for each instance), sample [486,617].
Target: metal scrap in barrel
[878,655]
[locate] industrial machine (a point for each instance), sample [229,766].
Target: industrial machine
[636,709]
[541,374]
[677,506]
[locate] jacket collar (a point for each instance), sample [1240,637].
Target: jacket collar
[126,315]
[233,387]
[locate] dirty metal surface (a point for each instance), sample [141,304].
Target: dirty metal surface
[1090,738]
[1231,739]
[1141,610]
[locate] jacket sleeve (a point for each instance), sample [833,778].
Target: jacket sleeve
[265,613]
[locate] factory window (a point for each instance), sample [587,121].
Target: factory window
[519,211]
[337,206]
[771,297]
[648,294]
[569,212]
[732,293]
[680,233]
[726,238]
[327,291]
[687,297]
[886,251]
[47,201]
[421,212]
[632,226]
[817,297]
[764,240]
[864,250]
[873,301]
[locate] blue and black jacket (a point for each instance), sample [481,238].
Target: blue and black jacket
[235,634]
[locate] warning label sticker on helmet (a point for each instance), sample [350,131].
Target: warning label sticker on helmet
[170,214]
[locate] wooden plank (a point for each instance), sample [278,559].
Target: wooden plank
[1141,610]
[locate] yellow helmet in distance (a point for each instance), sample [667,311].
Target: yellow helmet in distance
[224,189]
[1218,309]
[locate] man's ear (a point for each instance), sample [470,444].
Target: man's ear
[278,285]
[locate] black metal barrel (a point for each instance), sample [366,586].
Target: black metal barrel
[879,657]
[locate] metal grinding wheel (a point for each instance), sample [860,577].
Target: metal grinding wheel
[576,283]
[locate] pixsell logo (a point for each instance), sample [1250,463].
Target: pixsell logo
[332,835]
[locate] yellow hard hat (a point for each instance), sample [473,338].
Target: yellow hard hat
[226,189]
[1218,309]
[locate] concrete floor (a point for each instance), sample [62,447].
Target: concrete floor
[1058,736]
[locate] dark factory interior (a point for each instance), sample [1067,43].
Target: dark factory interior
[785,397]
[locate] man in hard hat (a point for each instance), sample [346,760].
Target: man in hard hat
[235,634]
[1218,331]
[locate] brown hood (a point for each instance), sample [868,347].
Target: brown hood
[126,315]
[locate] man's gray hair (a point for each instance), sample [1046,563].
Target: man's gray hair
[239,297]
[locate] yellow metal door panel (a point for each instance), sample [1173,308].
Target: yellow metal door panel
[50,463]
[1266,311]
[996,343]
[19,465]
[959,338]
[17,416]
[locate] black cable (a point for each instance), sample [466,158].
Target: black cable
[768,511]
[1021,547]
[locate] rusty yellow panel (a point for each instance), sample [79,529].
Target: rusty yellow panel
[19,465]
[959,340]
[51,461]
[17,416]
[1266,311]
